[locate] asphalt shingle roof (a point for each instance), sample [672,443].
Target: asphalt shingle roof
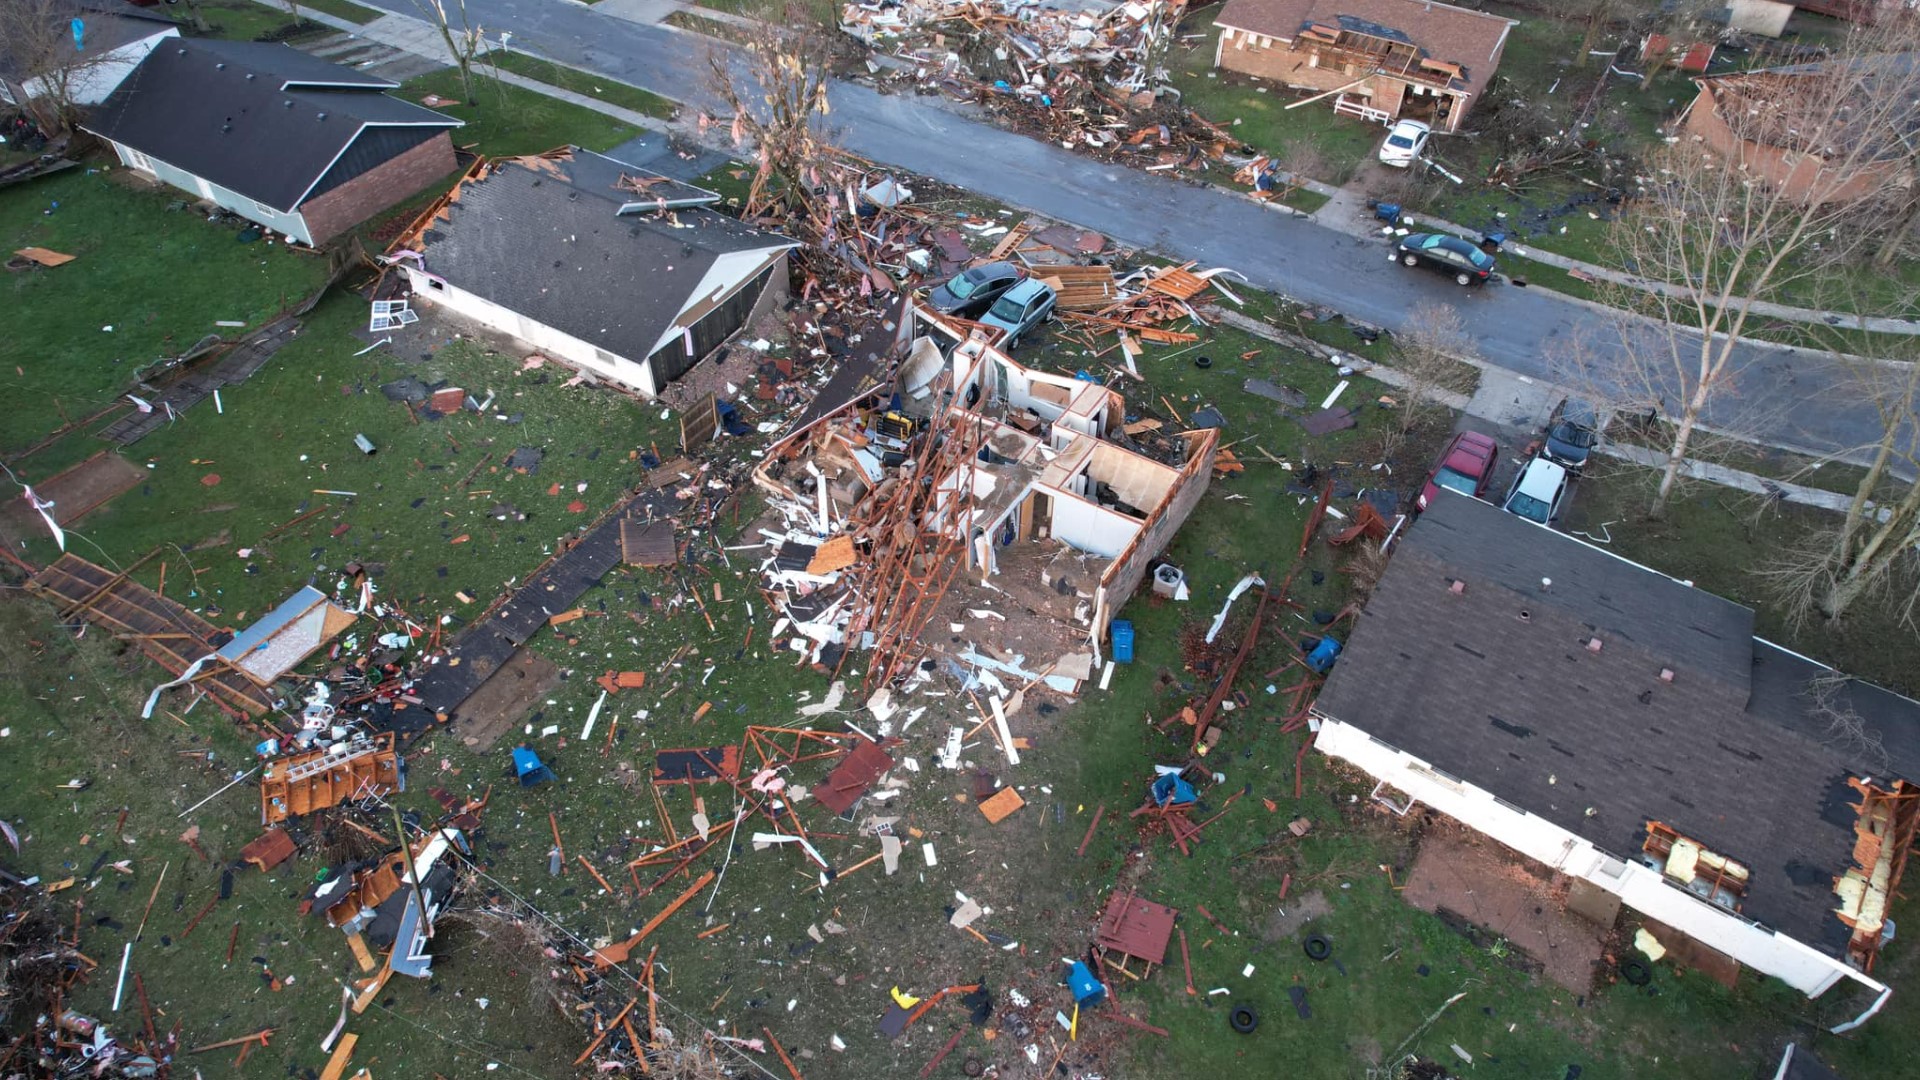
[1496,686]
[543,237]
[263,120]
[1472,39]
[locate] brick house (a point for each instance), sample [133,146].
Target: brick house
[615,270]
[305,148]
[1752,117]
[1384,60]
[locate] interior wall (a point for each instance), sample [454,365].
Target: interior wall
[1091,527]
[1140,482]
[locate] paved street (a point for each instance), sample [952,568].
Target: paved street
[1786,397]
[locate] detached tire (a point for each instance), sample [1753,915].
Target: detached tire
[1636,972]
[1243,1019]
[1317,947]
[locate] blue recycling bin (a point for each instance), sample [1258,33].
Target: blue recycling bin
[1122,631]
[529,768]
[1087,990]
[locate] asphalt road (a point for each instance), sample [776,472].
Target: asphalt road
[1790,398]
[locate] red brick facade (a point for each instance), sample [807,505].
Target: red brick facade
[1804,176]
[360,198]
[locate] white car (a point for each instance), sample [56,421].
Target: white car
[1406,141]
[1538,492]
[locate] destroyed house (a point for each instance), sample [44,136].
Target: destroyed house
[1031,487]
[299,146]
[617,271]
[1630,732]
[1382,60]
[1780,126]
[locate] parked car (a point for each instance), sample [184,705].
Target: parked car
[1573,430]
[973,290]
[1538,492]
[1020,309]
[1465,466]
[1448,254]
[1406,141]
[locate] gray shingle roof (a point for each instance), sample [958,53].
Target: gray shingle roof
[544,237]
[263,120]
[1728,753]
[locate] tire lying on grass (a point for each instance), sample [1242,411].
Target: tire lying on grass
[1243,1019]
[1317,947]
[1636,971]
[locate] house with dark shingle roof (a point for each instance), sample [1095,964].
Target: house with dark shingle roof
[618,271]
[1630,732]
[1383,60]
[79,68]
[305,148]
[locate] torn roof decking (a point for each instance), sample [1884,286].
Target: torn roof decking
[1729,752]
[168,633]
[286,635]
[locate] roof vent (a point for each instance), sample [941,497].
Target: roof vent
[1546,583]
[319,116]
[1457,587]
[1666,674]
[226,127]
[287,104]
[1525,615]
[249,76]
[1593,644]
[221,66]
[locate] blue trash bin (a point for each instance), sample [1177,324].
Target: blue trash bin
[1087,990]
[1122,641]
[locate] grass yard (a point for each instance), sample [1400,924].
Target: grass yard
[242,20]
[508,121]
[160,278]
[431,534]
[342,9]
[598,87]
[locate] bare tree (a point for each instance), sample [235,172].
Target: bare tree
[55,66]
[1748,201]
[1874,547]
[1593,17]
[1300,160]
[1428,354]
[774,92]
[465,42]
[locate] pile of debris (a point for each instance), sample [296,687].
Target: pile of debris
[1088,76]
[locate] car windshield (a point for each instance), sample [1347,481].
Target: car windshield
[1528,507]
[1007,308]
[1455,480]
[1575,435]
[963,285]
[1400,141]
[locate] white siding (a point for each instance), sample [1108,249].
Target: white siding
[1639,887]
[564,347]
[200,187]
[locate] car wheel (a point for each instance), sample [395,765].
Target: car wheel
[1410,260]
[1463,278]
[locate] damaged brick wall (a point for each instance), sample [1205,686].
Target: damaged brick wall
[1130,568]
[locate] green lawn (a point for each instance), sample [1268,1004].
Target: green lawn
[509,121]
[297,419]
[160,279]
[241,20]
[580,82]
[342,9]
